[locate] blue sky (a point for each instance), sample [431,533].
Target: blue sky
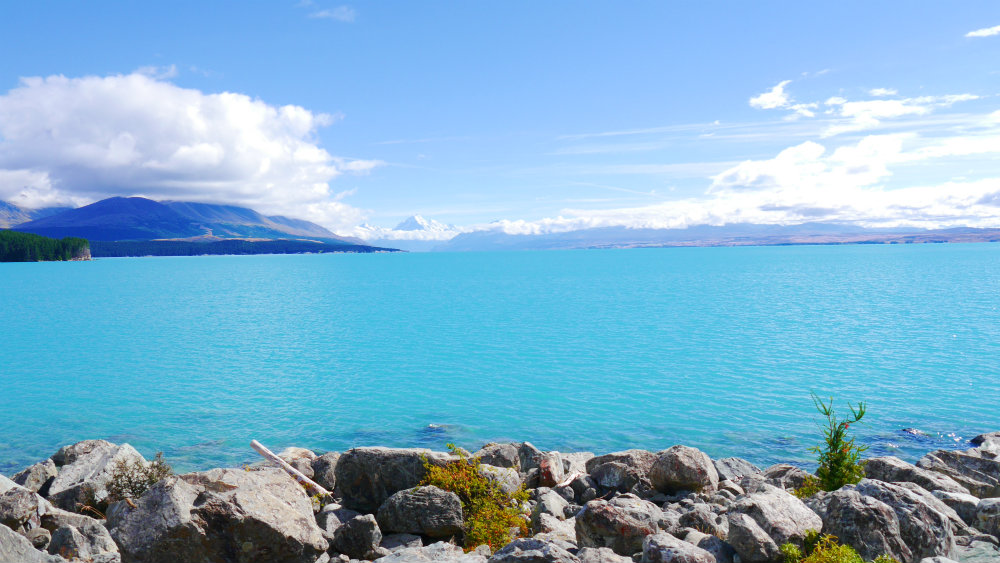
[525,116]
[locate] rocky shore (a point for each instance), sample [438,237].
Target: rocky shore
[632,506]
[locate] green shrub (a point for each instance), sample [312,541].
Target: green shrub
[825,549]
[809,487]
[489,512]
[131,478]
[839,459]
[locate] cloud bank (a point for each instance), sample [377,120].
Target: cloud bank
[71,141]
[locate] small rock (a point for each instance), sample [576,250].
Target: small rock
[395,542]
[664,548]
[439,552]
[85,543]
[620,524]
[786,476]
[533,550]
[40,537]
[19,508]
[601,555]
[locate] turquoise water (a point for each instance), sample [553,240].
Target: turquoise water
[716,348]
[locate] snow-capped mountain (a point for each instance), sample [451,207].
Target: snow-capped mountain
[414,233]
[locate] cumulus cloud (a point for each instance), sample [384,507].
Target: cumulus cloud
[777,98]
[340,13]
[984,32]
[879,92]
[868,114]
[75,140]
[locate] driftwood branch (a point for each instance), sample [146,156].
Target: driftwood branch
[295,473]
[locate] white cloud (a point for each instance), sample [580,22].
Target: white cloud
[984,32]
[774,98]
[881,92]
[76,140]
[869,114]
[340,13]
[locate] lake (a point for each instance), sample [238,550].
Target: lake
[716,348]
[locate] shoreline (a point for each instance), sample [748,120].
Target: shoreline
[712,510]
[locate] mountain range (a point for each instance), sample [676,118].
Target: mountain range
[137,218]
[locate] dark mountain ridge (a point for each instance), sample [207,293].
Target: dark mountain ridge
[137,218]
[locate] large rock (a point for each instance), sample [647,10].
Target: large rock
[439,552]
[720,549]
[500,455]
[19,509]
[784,518]
[367,477]
[428,511]
[925,529]
[620,524]
[621,470]
[69,454]
[892,469]
[87,543]
[958,525]
[682,468]
[980,475]
[533,550]
[38,477]
[219,516]
[734,468]
[988,516]
[867,524]
[324,469]
[358,538]
[664,548]
[15,548]
[84,480]
[701,517]
[989,441]
[507,478]
[964,505]
[750,541]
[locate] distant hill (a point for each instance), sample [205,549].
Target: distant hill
[743,234]
[11,214]
[136,218]
[109,249]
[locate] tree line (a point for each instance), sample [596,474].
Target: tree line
[26,247]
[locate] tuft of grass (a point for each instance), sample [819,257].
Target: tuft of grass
[825,549]
[489,513]
[131,478]
[839,458]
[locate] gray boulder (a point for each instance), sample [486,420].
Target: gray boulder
[84,480]
[682,468]
[358,538]
[963,504]
[367,477]
[575,462]
[620,524]
[891,469]
[87,543]
[500,455]
[786,476]
[988,516]
[720,549]
[508,479]
[428,511]
[624,469]
[15,548]
[601,555]
[702,518]
[865,523]
[533,550]
[38,477]
[219,516]
[926,530]
[439,552]
[980,475]
[333,516]
[750,541]
[548,527]
[19,509]
[734,468]
[981,549]
[664,548]
[783,517]
[324,470]
[989,441]
[958,525]
[69,454]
